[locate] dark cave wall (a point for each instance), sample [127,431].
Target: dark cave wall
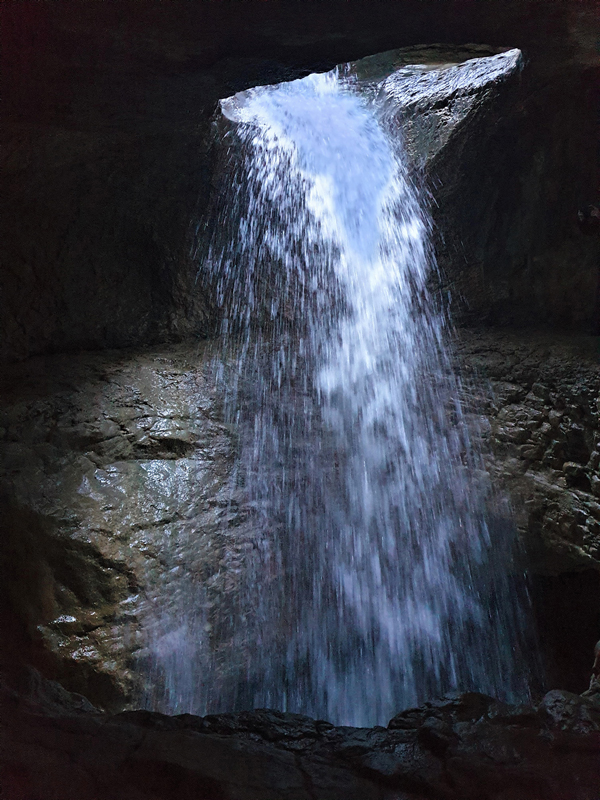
[106,156]
[107,111]
[506,198]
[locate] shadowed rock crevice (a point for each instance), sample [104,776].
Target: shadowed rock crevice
[567,608]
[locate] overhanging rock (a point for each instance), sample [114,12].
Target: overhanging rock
[444,103]
[431,91]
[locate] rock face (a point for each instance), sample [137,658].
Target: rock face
[448,94]
[110,464]
[427,94]
[115,472]
[534,401]
[464,747]
[543,429]
[106,148]
[113,465]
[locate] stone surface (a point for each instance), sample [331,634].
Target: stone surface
[107,164]
[115,476]
[109,465]
[112,464]
[441,99]
[539,397]
[533,400]
[427,95]
[463,747]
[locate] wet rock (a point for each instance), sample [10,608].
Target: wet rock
[110,466]
[464,747]
[437,102]
[541,449]
[114,471]
[427,98]
[571,713]
[428,94]
[576,475]
[544,388]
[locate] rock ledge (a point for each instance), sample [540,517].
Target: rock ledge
[462,747]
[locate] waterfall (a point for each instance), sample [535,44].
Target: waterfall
[377,576]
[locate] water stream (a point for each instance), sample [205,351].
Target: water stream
[378,576]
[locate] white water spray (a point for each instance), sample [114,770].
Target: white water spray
[377,579]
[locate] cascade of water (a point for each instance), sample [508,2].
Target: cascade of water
[376,579]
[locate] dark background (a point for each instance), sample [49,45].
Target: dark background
[106,155]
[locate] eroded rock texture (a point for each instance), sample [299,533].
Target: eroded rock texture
[542,427]
[110,464]
[465,747]
[116,480]
[534,400]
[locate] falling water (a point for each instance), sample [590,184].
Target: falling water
[376,577]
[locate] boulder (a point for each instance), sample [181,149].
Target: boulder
[427,95]
[113,477]
[461,747]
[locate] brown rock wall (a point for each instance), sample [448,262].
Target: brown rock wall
[115,476]
[111,465]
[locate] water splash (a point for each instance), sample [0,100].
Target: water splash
[377,578]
